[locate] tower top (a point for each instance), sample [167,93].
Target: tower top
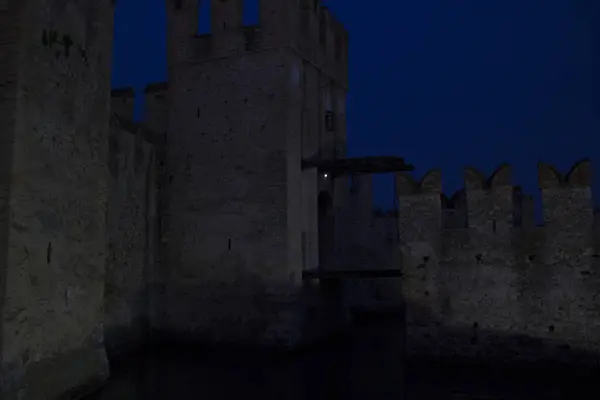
[306,26]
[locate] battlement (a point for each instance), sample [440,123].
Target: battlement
[122,101]
[494,205]
[155,109]
[431,182]
[305,26]
[580,175]
[476,267]
[121,124]
[155,115]
[322,38]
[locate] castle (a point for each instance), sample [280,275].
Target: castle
[213,183]
[198,222]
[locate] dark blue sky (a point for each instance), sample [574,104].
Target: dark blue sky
[443,83]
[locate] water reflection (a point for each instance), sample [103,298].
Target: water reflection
[367,364]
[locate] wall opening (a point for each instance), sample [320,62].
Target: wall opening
[251,13]
[204,20]
[326,229]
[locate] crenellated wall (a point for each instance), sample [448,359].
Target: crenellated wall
[501,286]
[199,221]
[305,26]
[480,278]
[454,210]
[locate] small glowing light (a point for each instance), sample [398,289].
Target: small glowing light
[325,176]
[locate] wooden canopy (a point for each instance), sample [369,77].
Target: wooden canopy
[359,165]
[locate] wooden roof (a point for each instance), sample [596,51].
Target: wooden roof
[359,165]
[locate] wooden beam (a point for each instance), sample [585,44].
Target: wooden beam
[360,165]
[352,273]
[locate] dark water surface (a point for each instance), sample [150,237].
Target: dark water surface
[365,364]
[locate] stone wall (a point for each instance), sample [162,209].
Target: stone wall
[58,59]
[132,236]
[228,178]
[495,289]
[10,18]
[97,203]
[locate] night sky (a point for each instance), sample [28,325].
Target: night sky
[442,83]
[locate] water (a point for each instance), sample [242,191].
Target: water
[368,363]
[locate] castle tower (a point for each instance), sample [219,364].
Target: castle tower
[247,104]
[56,63]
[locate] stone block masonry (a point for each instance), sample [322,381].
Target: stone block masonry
[199,221]
[111,230]
[497,287]
[55,116]
[132,223]
[236,203]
